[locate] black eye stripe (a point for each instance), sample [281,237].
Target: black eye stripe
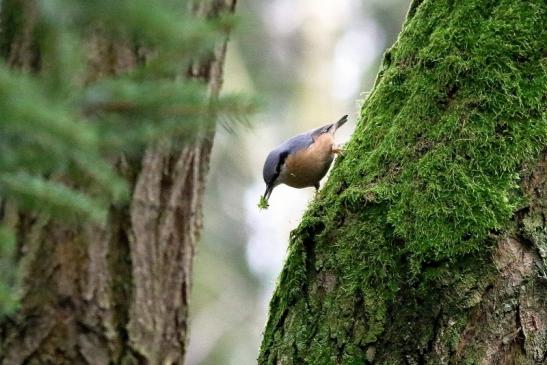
[282,158]
[280,162]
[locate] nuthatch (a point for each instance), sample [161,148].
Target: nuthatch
[303,160]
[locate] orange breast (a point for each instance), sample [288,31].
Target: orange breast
[306,167]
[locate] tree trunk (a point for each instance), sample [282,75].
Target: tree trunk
[428,244]
[116,294]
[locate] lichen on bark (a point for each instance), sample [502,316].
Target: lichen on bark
[398,259]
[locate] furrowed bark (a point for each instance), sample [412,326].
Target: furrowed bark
[118,293]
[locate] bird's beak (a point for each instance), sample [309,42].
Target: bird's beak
[268,192]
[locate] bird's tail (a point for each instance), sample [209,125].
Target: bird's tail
[329,128]
[340,123]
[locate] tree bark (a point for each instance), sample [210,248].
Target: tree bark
[428,244]
[116,294]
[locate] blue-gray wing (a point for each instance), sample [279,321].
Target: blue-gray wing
[276,158]
[297,143]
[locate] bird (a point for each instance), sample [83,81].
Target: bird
[301,161]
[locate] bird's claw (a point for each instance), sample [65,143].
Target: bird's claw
[338,150]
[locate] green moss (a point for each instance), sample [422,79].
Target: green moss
[432,168]
[263,203]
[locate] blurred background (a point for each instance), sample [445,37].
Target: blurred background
[310,62]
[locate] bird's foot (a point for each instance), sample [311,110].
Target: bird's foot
[337,150]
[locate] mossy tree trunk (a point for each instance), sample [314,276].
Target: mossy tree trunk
[428,243]
[116,294]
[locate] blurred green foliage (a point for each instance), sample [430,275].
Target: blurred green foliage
[62,123]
